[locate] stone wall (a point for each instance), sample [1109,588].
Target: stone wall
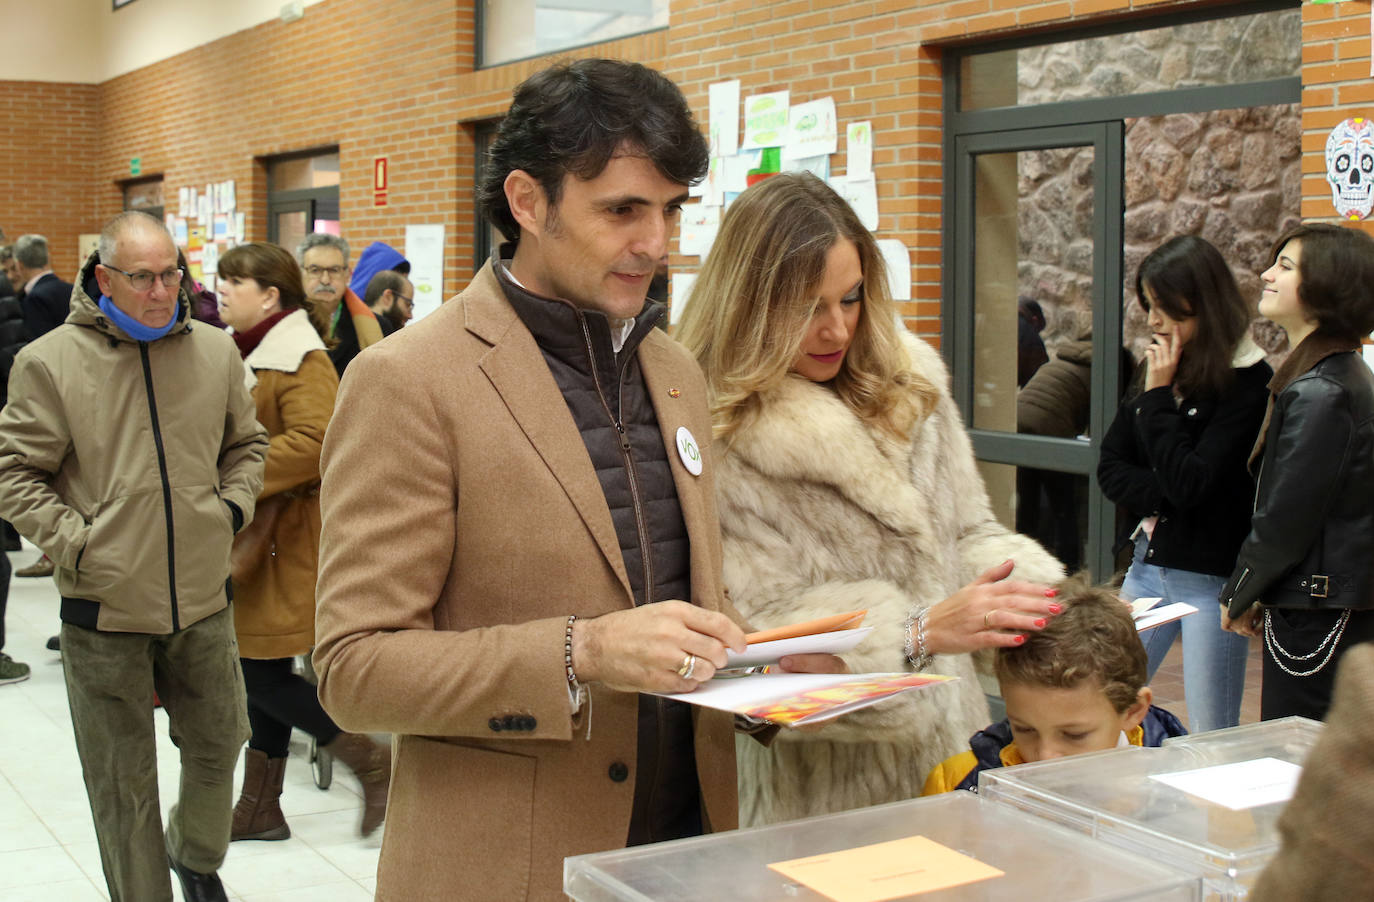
[1232,177]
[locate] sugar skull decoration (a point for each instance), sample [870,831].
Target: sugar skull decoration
[1350,167]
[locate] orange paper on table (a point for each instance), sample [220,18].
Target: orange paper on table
[886,870]
[848,621]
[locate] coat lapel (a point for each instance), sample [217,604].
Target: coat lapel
[518,372]
[698,512]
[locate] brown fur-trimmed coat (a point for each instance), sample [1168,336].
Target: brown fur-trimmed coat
[821,514]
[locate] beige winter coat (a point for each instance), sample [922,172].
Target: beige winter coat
[294,384]
[822,514]
[117,458]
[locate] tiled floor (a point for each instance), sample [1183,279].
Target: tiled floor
[1168,683]
[47,843]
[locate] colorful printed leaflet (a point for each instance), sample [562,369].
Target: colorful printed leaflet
[793,699]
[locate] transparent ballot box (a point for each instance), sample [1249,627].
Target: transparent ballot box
[1010,855]
[1208,804]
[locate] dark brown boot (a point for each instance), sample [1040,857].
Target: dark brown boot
[370,761]
[258,812]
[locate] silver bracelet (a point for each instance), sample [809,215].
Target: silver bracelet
[567,655]
[916,648]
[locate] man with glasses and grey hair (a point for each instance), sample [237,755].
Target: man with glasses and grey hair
[130,453]
[45,296]
[325,271]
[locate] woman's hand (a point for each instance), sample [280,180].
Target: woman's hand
[990,612]
[1161,361]
[1247,624]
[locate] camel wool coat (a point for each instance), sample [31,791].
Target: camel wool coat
[822,513]
[445,591]
[293,384]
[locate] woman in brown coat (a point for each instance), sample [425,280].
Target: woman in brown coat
[276,557]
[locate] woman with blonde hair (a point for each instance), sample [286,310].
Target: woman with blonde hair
[846,481]
[276,557]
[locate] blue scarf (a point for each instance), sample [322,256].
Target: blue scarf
[132,327]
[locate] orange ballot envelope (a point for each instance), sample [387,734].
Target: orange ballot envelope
[886,870]
[793,699]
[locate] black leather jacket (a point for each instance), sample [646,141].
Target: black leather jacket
[1311,542]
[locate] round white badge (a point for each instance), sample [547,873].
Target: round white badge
[689,451]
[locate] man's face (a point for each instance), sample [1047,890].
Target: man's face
[142,252]
[325,275]
[401,305]
[598,248]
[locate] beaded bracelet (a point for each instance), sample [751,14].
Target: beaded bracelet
[916,648]
[567,655]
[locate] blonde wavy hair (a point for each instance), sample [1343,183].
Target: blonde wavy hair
[755,296]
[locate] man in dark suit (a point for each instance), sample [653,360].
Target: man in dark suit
[46,298]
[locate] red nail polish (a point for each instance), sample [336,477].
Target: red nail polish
[1056,608]
[1041,622]
[1020,639]
[1050,593]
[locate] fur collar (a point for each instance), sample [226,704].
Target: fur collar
[283,347]
[804,432]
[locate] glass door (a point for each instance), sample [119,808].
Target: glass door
[1036,356]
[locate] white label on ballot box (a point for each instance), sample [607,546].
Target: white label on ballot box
[1245,784]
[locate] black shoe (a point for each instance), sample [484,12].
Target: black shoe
[198,887]
[54,643]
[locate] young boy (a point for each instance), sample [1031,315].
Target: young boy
[1076,686]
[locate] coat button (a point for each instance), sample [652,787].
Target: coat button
[1150,553]
[618,772]
[495,724]
[509,722]
[528,723]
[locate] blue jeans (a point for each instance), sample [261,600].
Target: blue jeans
[1213,659]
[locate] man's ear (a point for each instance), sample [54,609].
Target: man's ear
[103,279]
[1132,716]
[527,201]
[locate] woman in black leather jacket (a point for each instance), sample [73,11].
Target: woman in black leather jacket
[1305,575]
[1174,457]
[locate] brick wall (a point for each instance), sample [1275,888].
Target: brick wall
[396,80]
[48,144]
[1336,85]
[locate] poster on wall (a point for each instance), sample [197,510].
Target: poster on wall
[765,120]
[424,248]
[1350,167]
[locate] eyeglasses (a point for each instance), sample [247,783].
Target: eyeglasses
[401,297]
[143,280]
[333,272]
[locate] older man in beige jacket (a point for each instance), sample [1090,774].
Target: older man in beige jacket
[129,453]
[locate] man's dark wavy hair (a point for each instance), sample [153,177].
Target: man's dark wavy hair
[574,117]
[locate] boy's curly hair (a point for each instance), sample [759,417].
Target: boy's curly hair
[1094,638]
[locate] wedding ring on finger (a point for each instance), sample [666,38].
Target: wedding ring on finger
[987,625]
[687,667]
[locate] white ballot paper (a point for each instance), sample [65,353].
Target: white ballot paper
[832,643]
[1245,784]
[1146,615]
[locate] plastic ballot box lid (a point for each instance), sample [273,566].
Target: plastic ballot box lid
[1208,804]
[955,846]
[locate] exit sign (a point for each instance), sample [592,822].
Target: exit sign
[135,166]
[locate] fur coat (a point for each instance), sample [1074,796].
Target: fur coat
[821,514]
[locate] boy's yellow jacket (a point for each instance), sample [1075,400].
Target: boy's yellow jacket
[994,747]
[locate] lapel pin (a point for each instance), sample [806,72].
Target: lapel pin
[688,450]
[675,393]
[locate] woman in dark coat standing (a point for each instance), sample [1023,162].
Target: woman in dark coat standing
[1175,458]
[1305,574]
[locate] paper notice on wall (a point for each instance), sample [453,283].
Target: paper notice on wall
[183,201]
[859,138]
[862,195]
[736,170]
[712,193]
[811,130]
[424,248]
[765,120]
[700,223]
[181,232]
[231,200]
[898,262]
[681,287]
[723,117]
[817,166]
[209,259]
[240,227]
